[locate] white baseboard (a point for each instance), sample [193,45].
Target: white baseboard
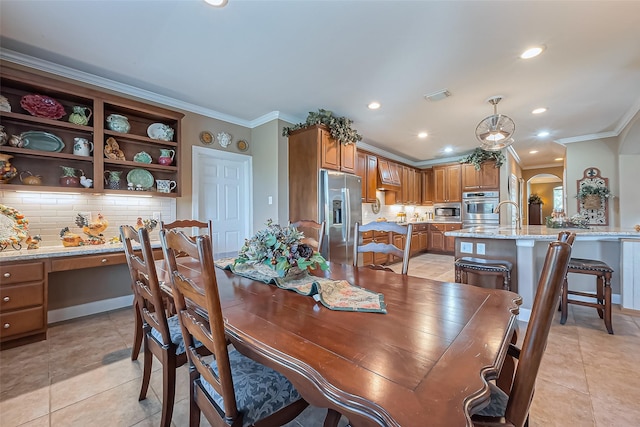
[525,313]
[87,309]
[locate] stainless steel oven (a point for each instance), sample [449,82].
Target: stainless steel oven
[478,207]
[446,212]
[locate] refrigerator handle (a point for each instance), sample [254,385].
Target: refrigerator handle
[346,223]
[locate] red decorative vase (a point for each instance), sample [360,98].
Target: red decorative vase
[69,181]
[165,161]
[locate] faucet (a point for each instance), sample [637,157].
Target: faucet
[518,219]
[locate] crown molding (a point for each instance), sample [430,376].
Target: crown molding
[548,165]
[274,115]
[588,137]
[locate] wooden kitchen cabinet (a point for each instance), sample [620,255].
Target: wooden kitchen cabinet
[371,258]
[426,189]
[334,155]
[419,238]
[367,169]
[447,183]
[23,304]
[438,242]
[46,154]
[398,241]
[487,178]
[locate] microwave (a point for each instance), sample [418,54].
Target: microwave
[447,211]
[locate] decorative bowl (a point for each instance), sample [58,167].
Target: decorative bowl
[42,106]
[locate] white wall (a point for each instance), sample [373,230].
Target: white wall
[265,174]
[601,154]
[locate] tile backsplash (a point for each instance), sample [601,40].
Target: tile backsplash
[48,213]
[390,211]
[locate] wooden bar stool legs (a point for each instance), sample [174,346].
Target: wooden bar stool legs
[602,295]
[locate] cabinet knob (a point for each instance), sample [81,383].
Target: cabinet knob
[6,325]
[6,299]
[7,275]
[103,260]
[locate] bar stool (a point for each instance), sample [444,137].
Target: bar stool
[484,266]
[603,289]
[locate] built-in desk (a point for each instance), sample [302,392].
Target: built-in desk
[25,292]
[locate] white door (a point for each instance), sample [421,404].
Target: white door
[222,192]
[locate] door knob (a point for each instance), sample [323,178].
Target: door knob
[6,299]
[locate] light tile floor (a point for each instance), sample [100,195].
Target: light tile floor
[587,378]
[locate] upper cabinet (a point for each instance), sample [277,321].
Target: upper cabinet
[367,169]
[487,178]
[334,156]
[77,139]
[427,187]
[447,183]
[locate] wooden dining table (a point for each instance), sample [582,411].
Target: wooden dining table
[426,362]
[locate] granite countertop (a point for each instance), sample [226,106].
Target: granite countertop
[61,251]
[541,232]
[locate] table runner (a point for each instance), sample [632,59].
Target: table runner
[334,294]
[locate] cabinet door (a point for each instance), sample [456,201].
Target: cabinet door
[395,173]
[415,243]
[454,192]
[470,177]
[436,239]
[423,240]
[371,178]
[406,185]
[440,184]
[398,241]
[427,187]
[450,242]
[361,171]
[417,187]
[489,176]
[384,168]
[330,158]
[348,158]
[367,257]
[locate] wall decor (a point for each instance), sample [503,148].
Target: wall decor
[593,195]
[224,139]
[206,137]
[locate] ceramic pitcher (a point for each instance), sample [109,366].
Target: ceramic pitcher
[118,123]
[69,177]
[112,179]
[80,115]
[82,146]
[166,156]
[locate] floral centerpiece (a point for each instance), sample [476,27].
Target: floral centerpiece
[534,199]
[281,249]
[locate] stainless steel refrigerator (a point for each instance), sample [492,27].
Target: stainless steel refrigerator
[340,205]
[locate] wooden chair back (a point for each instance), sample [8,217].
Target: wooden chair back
[544,307]
[146,287]
[386,248]
[201,318]
[566,236]
[313,232]
[185,224]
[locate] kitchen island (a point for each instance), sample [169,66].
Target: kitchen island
[526,248]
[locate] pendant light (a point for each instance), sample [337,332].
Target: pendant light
[495,132]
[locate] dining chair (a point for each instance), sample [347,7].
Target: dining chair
[386,247]
[313,232]
[185,224]
[162,336]
[228,388]
[511,408]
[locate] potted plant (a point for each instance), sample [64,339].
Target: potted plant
[479,156]
[591,196]
[534,199]
[339,127]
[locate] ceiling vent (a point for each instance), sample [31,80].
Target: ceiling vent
[439,95]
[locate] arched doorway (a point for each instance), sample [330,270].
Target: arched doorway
[550,189]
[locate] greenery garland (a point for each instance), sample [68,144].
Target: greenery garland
[339,127]
[479,156]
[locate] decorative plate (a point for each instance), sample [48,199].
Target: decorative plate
[140,177]
[160,131]
[375,207]
[142,157]
[42,106]
[206,137]
[224,139]
[13,228]
[242,145]
[44,141]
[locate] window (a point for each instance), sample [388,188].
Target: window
[558,205]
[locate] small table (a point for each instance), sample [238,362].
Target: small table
[425,362]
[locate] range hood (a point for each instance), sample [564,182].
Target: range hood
[388,176]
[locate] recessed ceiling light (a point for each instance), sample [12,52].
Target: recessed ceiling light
[557,159]
[216,3]
[533,151]
[532,52]
[374,105]
[448,150]
[543,133]
[422,135]
[539,110]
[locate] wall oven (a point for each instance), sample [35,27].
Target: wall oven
[478,207]
[446,212]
